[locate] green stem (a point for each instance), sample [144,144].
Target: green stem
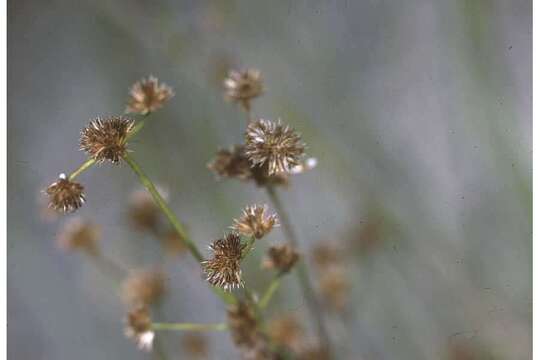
[301,268]
[90,162]
[162,204]
[249,247]
[269,292]
[189,327]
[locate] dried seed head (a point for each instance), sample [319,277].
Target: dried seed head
[79,235]
[106,138]
[326,254]
[286,331]
[145,287]
[195,345]
[231,163]
[255,221]
[273,145]
[173,243]
[148,95]
[281,258]
[65,195]
[143,212]
[243,86]
[242,324]
[138,326]
[223,269]
[335,287]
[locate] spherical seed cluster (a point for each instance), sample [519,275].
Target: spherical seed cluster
[143,213]
[286,331]
[144,287]
[243,86]
[138,327]
[106,139]
[281,258]
[231,163]
[255,221]
[223,270]
[273,145]
[79,235]
[148,95]
[243,324]
[65,195]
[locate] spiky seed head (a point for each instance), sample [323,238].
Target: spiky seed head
[138,327]
[79,235]
[281,258]
[148,95]
[231,163]
[64,195]
[106,138]
[243,86]
[145,287]
[272,145]
[255,221]
[223,269]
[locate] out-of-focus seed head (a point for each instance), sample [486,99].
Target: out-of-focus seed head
[106,138]
[231,163]
[79,235]
[148,95]
[195,345]
[243,86]
[143,212]
[255,221]
[173,243]
[281,258]
[306,165]
[286,331]
[242,324]
[223,269]
[138,327]
[64,195]
[272,145]
[314,351]
[335,287]
[145,287]
[326,254]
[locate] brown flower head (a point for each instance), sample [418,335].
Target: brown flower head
[65,195]
[79,235]
[223,269]
[106,138]
[143,212]
[242,324]
[144,287]
[281,258]
[195,345]
[138,326]
[243,86]
[255,221]
[335,287]
[286,331]
[231,163]
[273,145]
[148,95]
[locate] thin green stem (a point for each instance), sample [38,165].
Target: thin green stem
[269,292]
[249,247]
[189,327]
[175,222]
[301,268]
[90,162]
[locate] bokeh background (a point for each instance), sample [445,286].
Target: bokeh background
[418,111]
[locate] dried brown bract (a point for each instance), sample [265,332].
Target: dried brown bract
[148,95]
[255,221]
[106,138]
[144,287]
[243,86]
[65,195]
[272,145]
[79,235]
[281,258]
[138,326]
[223,270]
[195,345]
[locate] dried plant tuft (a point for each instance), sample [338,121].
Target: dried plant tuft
[79,235]
[148,95]
[143,213]
[138,326]
[223,270]
[286,331]
[255,221]
[281,258]
[243,86]
[106,138]
[64,195]
[195,345]
[272,145]
[144,287]
[335,287]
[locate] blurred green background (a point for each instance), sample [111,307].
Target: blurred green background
[418,111]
